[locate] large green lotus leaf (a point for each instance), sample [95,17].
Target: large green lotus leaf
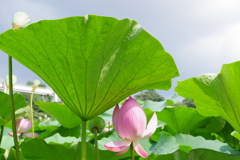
[7,141]
[13,156]
[91,62]
[196,154]
[65,141]
[166,144]
[63,114]
[158,106]
[5,109]
[72,132]
[216,125]
[38,149]
[182,119]
[214,94]
[199,142]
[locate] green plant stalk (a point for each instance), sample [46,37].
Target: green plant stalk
[13,109]
[109,126]
[132,151]
[83,149]
[2,129]
[96,144]
[32,114]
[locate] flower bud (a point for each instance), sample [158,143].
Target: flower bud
[20,20]
[14,80]
[36,83]
[96,123]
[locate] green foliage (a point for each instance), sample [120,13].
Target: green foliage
[36,147]
[186,102]
[7,141]
[149,95]
[182,119]
[189,102]
[94,62]
[158,106]
[36,97]
[39,149]
[61,112]
[225,134]
[91,62]
[216,95]
[196,154]
[5,111]
[31,83]
[179,104]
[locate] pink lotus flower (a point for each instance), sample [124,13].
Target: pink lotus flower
[130,123]
[23,126]
[108,127]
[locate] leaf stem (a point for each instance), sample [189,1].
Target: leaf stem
[2,129]
[13,109]
[132,151]
[96,144]
[83,149]
[32,114]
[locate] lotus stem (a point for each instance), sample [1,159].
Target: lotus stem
[32,114]
[2,129]
[13,109]
[132,151]
[96,144]
[83,149]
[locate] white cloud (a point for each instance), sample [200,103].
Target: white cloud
[205,8]
[221,48]
[216,8]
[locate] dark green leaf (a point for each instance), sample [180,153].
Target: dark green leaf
[38,149]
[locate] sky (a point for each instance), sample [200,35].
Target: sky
[201,35]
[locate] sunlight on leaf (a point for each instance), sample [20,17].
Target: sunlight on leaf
[91,62]
[216,95]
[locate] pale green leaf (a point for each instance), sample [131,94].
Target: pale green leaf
[216,95]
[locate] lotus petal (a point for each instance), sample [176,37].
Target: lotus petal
[151,127]
[140,151]
[117,146]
